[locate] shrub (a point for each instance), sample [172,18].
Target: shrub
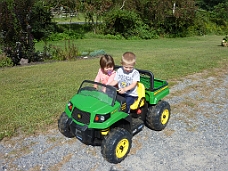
[126,23]
[69,52]
[68,34]
[5,61]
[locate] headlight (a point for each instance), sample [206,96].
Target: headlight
[70,106]
[101,118]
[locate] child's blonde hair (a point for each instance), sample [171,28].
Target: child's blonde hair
[128,58]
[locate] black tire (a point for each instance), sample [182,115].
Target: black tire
[158,116]
[63,126]
[144,111]
[116,145]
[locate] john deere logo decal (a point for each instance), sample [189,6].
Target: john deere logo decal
[123,107]
[79,116]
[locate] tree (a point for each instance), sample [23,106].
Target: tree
[21,20]
[209,4]
[16,29]
[40,20]
[220,14]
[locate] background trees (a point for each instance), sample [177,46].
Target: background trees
[24,21]
[21,20]
[209,4]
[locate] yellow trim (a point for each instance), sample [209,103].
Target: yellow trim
[114,111]
[105,131]
[158,91]
[141,94]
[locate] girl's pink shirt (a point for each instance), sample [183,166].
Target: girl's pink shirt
[104,78]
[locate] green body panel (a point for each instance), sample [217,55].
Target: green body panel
[155,97]
[159,90]
[94,106]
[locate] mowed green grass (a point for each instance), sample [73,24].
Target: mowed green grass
[34,96]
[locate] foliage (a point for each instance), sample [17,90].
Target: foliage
[125,23]
[5,61]
[68,34]
[219,14]
[209,4]
[25,21]
[41,20]
[225,38]
[68,6]
[202,24]
[69,51]
[173,18]
[20,19]
[95,9]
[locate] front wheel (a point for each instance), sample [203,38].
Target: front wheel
[158,116]
[116,145]
[64,127]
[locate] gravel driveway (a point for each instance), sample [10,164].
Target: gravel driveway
[196,137]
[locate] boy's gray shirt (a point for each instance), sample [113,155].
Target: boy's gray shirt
[125,79]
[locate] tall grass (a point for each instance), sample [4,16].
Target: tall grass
[33,97]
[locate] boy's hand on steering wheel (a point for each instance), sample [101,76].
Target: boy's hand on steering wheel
[121,91]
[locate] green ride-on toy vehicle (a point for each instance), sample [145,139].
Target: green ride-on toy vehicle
[97,116]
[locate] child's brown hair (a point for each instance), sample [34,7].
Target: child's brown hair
[106,61]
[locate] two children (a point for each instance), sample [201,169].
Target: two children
[125,78]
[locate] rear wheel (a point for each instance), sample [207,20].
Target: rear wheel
[144,111]
[116,145]
[63,126]
[158,116]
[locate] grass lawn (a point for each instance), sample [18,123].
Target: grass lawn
[33,97]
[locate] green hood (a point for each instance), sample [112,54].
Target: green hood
[90,104]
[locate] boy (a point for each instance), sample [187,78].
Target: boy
[126,78]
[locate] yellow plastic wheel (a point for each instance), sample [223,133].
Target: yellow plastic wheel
[122,148]
[116,145]
[165,116]
[158,115]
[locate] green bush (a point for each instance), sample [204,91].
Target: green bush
[69,51]
[5,61]
[126,23]
[68,34]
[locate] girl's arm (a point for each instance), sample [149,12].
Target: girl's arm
[111,78]
[113,83]
[98,76]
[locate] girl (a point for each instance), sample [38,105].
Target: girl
[106,72]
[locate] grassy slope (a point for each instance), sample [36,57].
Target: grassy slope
[33,97]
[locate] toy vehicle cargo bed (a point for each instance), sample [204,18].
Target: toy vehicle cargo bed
[151,83]
[147,78]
